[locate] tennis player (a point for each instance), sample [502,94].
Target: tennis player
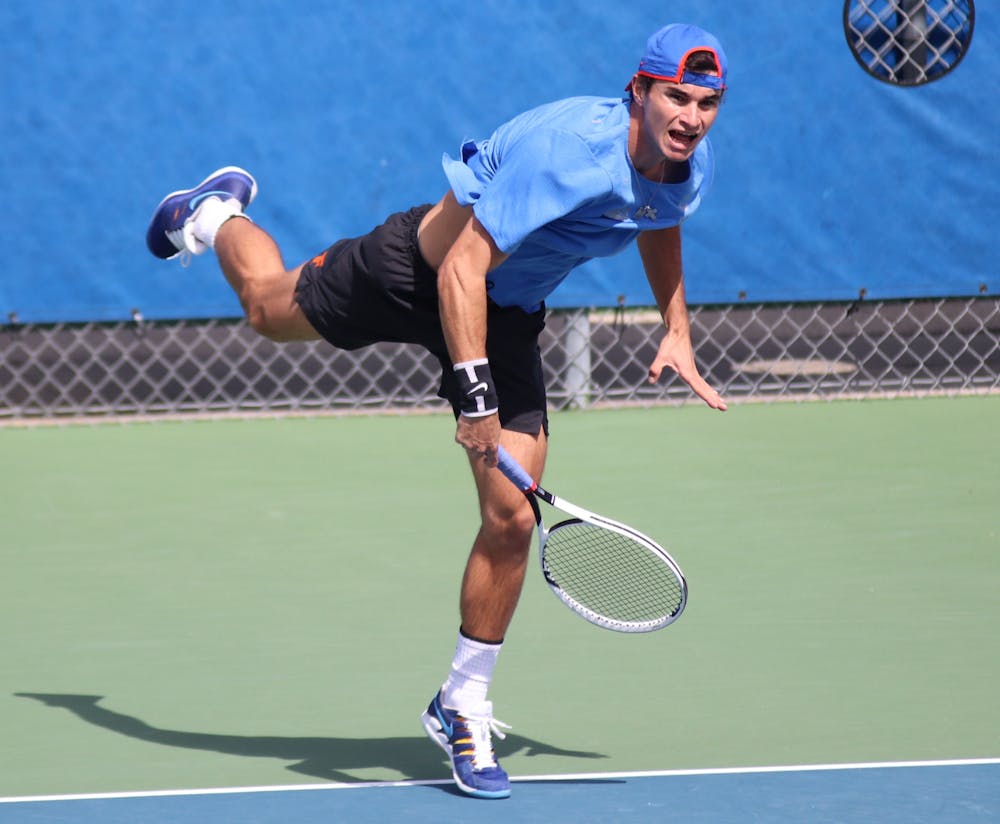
[467,277]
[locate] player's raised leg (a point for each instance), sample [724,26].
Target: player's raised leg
[192,221]
[251,262]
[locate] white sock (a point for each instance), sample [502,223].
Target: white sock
[471,672]
[202,227]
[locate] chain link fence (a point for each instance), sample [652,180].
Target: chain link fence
[909,42]
[591,358]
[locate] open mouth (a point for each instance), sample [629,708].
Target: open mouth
[681,138]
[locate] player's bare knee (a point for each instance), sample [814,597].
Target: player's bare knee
[511,529]
[262,317]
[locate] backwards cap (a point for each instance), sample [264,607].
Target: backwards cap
[668,50]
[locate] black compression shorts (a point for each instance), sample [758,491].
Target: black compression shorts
[378,287]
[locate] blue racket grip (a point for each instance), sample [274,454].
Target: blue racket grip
[514,472]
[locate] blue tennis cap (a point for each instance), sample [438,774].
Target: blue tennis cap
[668,50]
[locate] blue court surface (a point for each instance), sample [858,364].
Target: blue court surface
[955,792]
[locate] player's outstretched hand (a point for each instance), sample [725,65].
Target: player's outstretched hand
[676,353]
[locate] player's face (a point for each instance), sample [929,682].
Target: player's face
[678,115]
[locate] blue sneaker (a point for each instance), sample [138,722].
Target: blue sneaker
[166,237]
[466,739]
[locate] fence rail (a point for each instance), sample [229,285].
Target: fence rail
[591,358]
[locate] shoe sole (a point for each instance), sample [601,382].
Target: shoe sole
[436,733]
[216,173]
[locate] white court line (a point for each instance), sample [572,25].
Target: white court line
[797,768]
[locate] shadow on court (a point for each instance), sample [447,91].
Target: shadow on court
[332,759]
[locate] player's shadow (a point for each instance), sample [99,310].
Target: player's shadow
[332,759]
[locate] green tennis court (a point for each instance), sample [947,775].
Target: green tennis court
[273,601]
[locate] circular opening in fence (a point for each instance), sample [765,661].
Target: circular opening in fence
[909,42]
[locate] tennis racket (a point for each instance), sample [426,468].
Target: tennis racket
[607,572]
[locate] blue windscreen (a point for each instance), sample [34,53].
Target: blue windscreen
[828,181]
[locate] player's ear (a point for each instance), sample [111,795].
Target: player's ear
[637,90]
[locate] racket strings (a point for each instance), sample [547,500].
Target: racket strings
[610,573]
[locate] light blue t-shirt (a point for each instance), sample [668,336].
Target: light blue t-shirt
[555,187]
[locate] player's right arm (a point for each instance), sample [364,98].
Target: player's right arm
[464,263]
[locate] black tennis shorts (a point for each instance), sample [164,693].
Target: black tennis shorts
[378,288]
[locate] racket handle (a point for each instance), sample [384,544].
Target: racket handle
[514,472]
